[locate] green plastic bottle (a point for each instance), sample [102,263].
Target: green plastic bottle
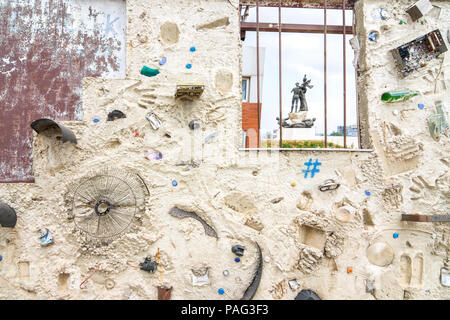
[392,96]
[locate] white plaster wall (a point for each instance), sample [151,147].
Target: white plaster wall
[228,178]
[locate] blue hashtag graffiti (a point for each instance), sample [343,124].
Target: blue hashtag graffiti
[314,169]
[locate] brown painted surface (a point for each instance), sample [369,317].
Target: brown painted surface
[250,123]
[44,55]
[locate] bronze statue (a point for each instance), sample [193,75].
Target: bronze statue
[299,94]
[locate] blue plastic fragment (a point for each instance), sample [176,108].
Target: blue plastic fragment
[192,49]
[188,66]
[163,61]
[237,259]
[96,120]
[395,235]
[421,106]
[1,258]
[367,192]
[174,183]
[221,291]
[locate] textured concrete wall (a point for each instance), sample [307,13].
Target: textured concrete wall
[304,234]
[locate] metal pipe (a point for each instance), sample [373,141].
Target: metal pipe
[257,68]
[280,72]
[345,76]
[325,68]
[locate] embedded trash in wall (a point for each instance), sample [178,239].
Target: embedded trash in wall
[105,202]
[82,284]
[96,120]
[163,61]
[221,291]
[46,237]
[419,9]
[188,66]
[200,277]
[373,36]
[192,49]
[237,260]
[195,124]
[426,218]
[307,295]
[251,289]
[164,293]
[174,183]
[181,214]
[149,72]
[395,235]
[189,90]
[148,265]
[238,250]
[392,96]
[329,185]
[421,106]
[154,120]
[109,284]
[345,213]
[189,164]
[116,114]
[153,154]
[445,277]
[380,254]
[438,123]
[44,124]
[369,286]
[226,273]
[8,217]
[349,270]
[380,14]
[293,284]
[211,137]
[417,53]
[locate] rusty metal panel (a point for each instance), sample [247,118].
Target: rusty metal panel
[46,48]
[319,4]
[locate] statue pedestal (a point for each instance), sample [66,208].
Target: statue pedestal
[298,117]
[300,134]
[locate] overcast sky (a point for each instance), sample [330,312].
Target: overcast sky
[303,54]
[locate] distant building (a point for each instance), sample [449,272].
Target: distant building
[352,131]
[250,129]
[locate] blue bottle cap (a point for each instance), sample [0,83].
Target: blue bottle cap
[192,49]
[395,235]
[237,259]
[174,183]
[367,192]
[188,66]
[221,291]
[96,120]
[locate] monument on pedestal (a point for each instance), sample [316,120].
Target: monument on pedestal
[297,118]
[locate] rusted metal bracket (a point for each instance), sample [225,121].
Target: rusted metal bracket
[425,218]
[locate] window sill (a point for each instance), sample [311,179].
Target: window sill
[306,149]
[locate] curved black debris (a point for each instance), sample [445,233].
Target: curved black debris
[8,217]
[181,214]
[116,114]
[43,124]
[307,295]
[251,290]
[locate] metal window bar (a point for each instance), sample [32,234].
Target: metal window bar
[257,71]
[325,69]
[280,73]
[345,76]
